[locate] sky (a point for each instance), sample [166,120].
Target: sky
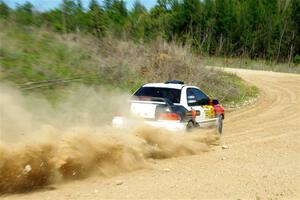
[49,4]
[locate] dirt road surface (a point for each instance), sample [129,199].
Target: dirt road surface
[262,160]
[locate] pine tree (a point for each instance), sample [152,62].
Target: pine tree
[97,19]
[24,14]
[137,21]
[4,10]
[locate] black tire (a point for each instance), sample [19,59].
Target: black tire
[220,125]
[190,126]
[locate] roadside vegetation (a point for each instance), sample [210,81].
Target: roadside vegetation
[107,44]
[40,61]
[248,29]
[246,63]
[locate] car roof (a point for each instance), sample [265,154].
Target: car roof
[165,85]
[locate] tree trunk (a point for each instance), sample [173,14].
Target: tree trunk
[291,49]
[220,44]
[280,40]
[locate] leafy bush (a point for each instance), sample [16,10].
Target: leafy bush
[296,59]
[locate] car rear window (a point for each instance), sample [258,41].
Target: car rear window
[169,93]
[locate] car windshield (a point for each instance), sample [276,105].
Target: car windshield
[169,93]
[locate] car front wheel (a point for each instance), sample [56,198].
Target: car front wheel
[220,124]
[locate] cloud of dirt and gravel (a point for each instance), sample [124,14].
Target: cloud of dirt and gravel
[42,144]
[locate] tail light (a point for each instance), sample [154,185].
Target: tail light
[169,116]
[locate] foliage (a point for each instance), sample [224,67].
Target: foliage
[97,19]
[256,29]
[46,63]
[24,14]
[297,59]
[4,10]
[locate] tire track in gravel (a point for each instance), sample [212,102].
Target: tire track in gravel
[278,106]
[262,161]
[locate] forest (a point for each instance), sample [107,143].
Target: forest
[255,29]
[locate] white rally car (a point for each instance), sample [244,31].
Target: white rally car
[174,106]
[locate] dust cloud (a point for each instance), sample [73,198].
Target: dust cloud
[42,144]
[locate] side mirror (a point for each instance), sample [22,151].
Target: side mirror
[215,102]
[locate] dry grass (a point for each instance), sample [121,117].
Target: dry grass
[246,63]
[30,55]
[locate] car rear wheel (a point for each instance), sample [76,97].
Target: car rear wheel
[190,126]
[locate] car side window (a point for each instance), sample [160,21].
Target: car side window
[196,97]
[168,93]
[191,97]
[199,94]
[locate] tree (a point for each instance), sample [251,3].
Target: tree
[184,19]
[107,4]
[69,11]
[159,16]
[118,12]
[137,21]
[53,18]
[294,47]
[268,29]
[24,14]
[81,17]
[4,10]
[118,15]
[97,19]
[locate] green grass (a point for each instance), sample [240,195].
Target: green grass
[34,57]
[29,55]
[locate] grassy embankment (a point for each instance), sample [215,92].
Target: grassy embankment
[45,63]
[246,63]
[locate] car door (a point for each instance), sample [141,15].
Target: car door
[192,103]
[194,96]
